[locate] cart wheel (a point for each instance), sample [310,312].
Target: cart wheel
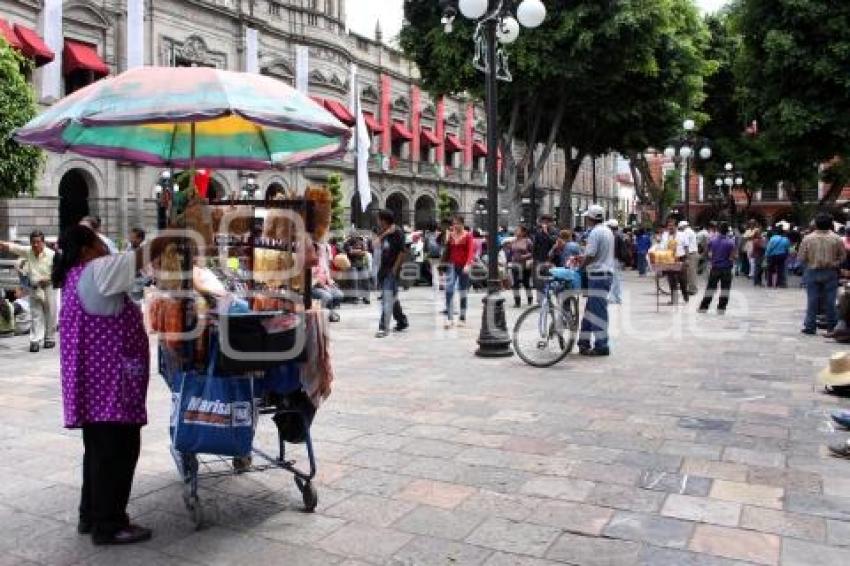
[196,511]
[308,494]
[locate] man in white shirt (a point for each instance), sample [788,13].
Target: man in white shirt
[689,237]
[600,264]
[38,268]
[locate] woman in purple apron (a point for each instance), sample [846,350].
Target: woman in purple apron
[104,360]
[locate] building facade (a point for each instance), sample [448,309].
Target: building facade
[420,144]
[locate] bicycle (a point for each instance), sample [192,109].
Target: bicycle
[546,333]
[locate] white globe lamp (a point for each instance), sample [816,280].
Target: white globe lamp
[705,153]
[729,181]
[718,183]
[689,125]
[729,166]
[686,152]
[531,13]
[739,181]
[473,9]
[670,152]
[508,30]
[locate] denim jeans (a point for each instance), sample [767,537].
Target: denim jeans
[641,264]
[456,279]
[821,291]
[330,297]
[594,323]
[390,304]
[616,294]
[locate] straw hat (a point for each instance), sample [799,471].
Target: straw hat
[838,372]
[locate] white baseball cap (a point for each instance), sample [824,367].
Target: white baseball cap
[595,212]
[683,224]
[613,223]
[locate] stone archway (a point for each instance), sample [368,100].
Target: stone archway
[216,190]
[364,220]
[400,206]
[76,187]
[425,213]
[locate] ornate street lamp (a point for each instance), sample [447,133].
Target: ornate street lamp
[684,149]
[495,25]
[725,186]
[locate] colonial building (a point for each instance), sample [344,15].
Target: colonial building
[421,144]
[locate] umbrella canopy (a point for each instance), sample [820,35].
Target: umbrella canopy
[190,116]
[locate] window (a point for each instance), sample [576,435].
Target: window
[274,9]
[362,44]
[76,80]
[329,8]
[312,20]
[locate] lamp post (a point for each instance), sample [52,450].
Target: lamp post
[726,184]
[494,25]
[684,149]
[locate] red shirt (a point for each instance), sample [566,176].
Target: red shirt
[462,251]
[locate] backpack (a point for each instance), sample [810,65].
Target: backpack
[621,249]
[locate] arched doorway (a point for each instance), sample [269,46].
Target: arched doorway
[364,220]
[425,215]
[275,190]
[216,191]
[75,188]
[400,206]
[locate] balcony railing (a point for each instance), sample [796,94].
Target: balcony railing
[405,167]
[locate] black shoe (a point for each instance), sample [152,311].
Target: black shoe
[809,331]
[401,327]
[128,535]
[34,347]
[593,352]
[84,527]
[702,311]
[333,316]
[48,344]
[367,302]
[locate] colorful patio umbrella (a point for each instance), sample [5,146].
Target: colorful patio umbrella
[190,117]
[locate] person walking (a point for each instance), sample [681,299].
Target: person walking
[522,259]
[776,252]
[757,257]
[37,269]
[358,254]
[674,241]
[643,243]
[822,252]
[722,253]
[459,255]
[391,246]
[620,261]
[600,265]
[104,364]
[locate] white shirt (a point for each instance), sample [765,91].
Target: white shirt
[113,249]
[105,282]
[690,240]
[600,246]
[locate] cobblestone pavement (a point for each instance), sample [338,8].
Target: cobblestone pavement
[701,441]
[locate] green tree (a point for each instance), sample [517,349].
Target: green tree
[595,77]
[792,75]
[445,206]
[19,165]
[337,208]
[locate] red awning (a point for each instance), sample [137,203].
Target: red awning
[453,144]
[341,112]
[7,33]
[33,46]
[82,57]
[372,123]
[318,100]
[400,131]
[429,138]
[479,149]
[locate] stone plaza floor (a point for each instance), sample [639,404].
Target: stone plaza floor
[701,441]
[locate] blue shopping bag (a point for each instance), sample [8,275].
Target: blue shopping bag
[213,415]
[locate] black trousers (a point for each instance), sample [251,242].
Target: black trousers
[521,277]
[678,281]
[723,277]
[109,463]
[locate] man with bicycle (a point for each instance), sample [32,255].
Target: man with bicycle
[600,264]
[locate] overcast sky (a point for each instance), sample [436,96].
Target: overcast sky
[363,14]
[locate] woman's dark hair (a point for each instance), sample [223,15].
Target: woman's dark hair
[72,243]
[823,221]
[386,216]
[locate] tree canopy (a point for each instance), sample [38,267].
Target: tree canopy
[595,77]
[19,165]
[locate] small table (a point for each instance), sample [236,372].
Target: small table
[662,269]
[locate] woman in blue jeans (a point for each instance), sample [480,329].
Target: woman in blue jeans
[459,255]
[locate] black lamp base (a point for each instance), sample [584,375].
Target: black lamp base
[494,340]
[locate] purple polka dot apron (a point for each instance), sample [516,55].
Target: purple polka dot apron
[104,360]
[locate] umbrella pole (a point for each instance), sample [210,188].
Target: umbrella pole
[192,155]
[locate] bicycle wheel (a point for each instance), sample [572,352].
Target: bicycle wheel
[541,336]
[573,320]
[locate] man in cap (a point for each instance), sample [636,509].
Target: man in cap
[692,253]
[600,264]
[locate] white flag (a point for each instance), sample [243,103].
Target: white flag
[135,33]
[302,69]
[363,143]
